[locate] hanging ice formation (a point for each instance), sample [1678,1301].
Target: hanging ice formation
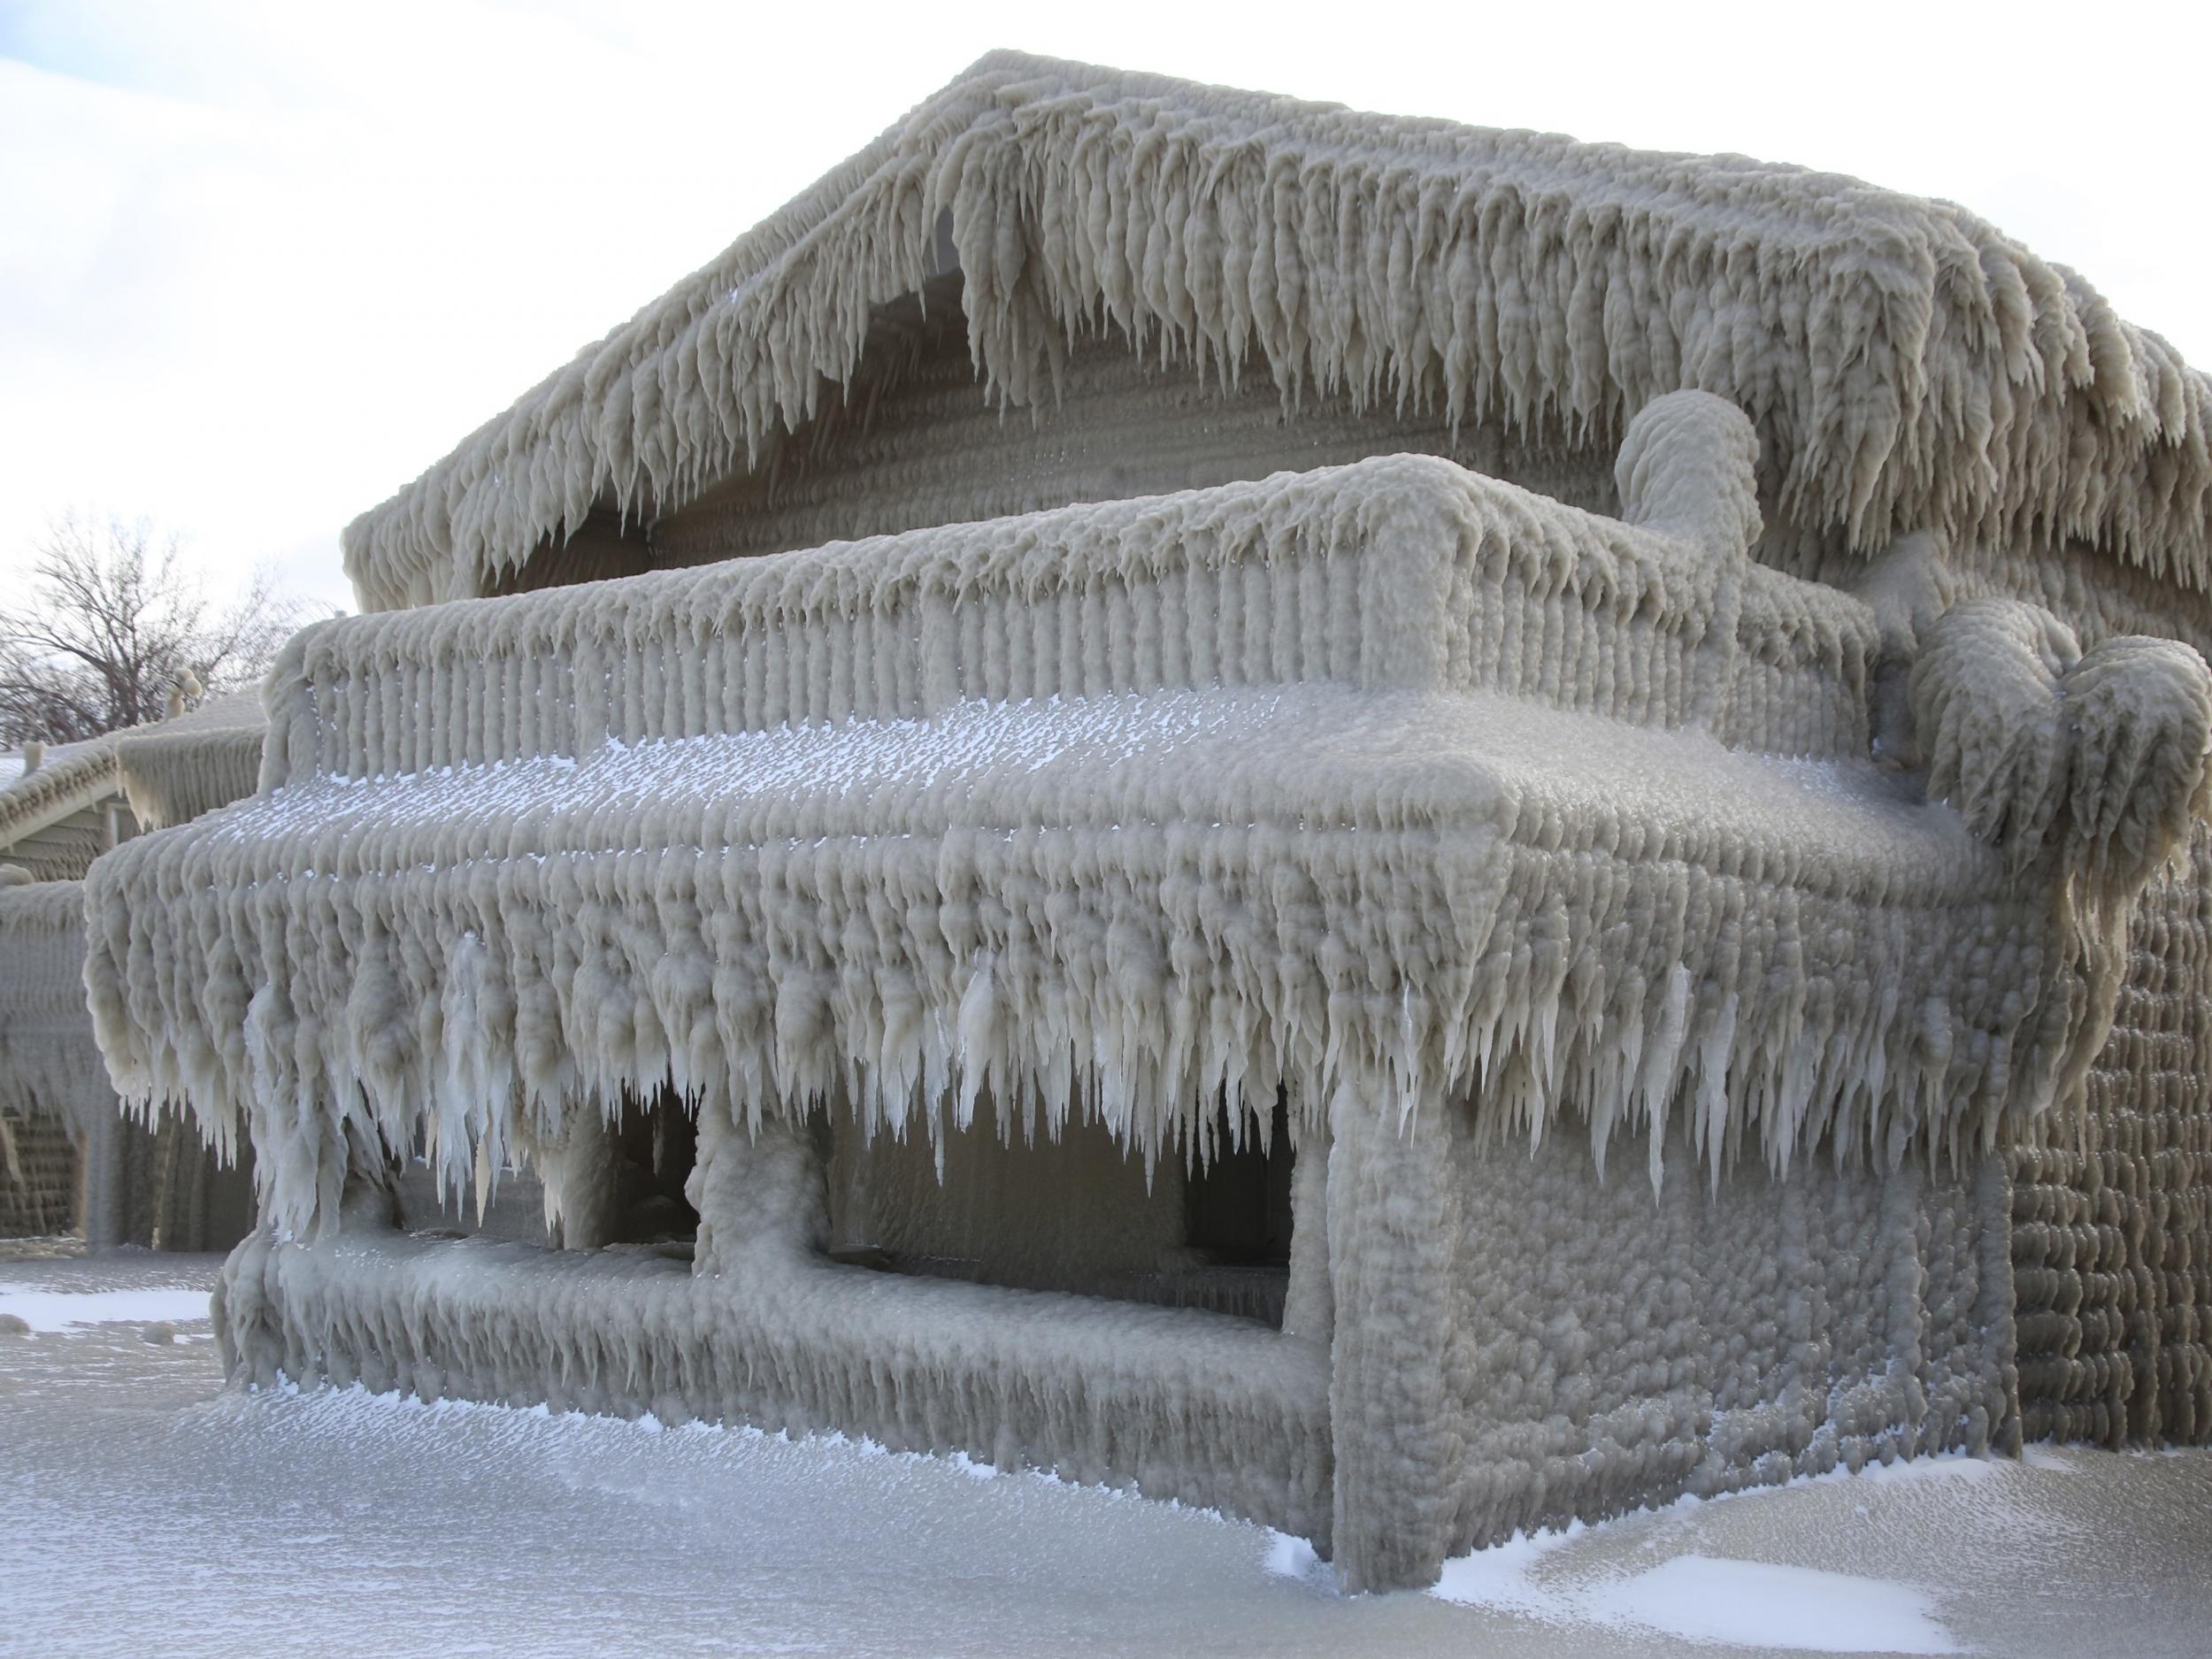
[69,1159]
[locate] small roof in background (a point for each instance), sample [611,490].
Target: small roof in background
[52,821]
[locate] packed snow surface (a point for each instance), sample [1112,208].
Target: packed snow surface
[1756,1603]
[145,1510]
[1708,1599]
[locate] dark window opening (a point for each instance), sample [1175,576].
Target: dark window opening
[1076,1215]
[655,1144]
[629,1179]
[1237,1209]
[1236,1220]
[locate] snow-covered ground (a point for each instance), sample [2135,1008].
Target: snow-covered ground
[144,1511]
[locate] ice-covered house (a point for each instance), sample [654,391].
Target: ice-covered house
[1408,829]
[71,1158]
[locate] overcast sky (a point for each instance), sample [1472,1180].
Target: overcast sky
[263,262]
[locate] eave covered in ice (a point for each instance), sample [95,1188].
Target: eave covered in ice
[205,757]
[1906,365]
[1389,785]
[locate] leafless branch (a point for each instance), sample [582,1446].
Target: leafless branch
[117,618]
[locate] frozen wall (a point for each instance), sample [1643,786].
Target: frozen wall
[53,1089]
[914,442]
[1522,1342]
[2113,1229]
[1614,1348]
[768,1329]
[2111,1209]
[2111,1268]
[69,1159]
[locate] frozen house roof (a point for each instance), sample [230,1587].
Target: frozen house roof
[169,770]
[207,758]
[50,817]
[1957,383]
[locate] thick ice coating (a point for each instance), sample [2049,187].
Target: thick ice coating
[193,763]
[54,1091]
[1907,365]
[69,1157]
[1447,812]
[957,812]
[82,797]
[2038,744]
[1691,1026]
[52,819]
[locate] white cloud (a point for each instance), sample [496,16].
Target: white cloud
[264,263]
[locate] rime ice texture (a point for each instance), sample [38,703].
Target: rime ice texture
[54,1091]
[1908,365]
[69,1157]
[577,842]
[192,763]
[1730,1026]
[1452,812]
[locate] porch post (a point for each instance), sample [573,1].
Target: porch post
[1393,1228]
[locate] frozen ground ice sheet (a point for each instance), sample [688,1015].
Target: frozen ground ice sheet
[143,1511]
[45,1310]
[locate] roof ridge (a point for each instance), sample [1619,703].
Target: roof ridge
[1962,383]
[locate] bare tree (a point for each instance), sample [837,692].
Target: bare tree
[115,621]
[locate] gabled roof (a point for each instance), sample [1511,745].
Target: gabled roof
[1907,364]
[168,769]
[50,819]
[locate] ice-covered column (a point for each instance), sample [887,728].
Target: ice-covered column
[1309,1304]
[1995,1306]
[760,1194]
[583,1188]
[104,1184]
[1392,1228]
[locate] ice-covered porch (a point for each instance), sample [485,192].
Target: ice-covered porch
[1457,818]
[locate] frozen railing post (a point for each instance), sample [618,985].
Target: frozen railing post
[1687,471]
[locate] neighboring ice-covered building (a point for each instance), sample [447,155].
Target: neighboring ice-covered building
[1410,830]
[71,1158]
